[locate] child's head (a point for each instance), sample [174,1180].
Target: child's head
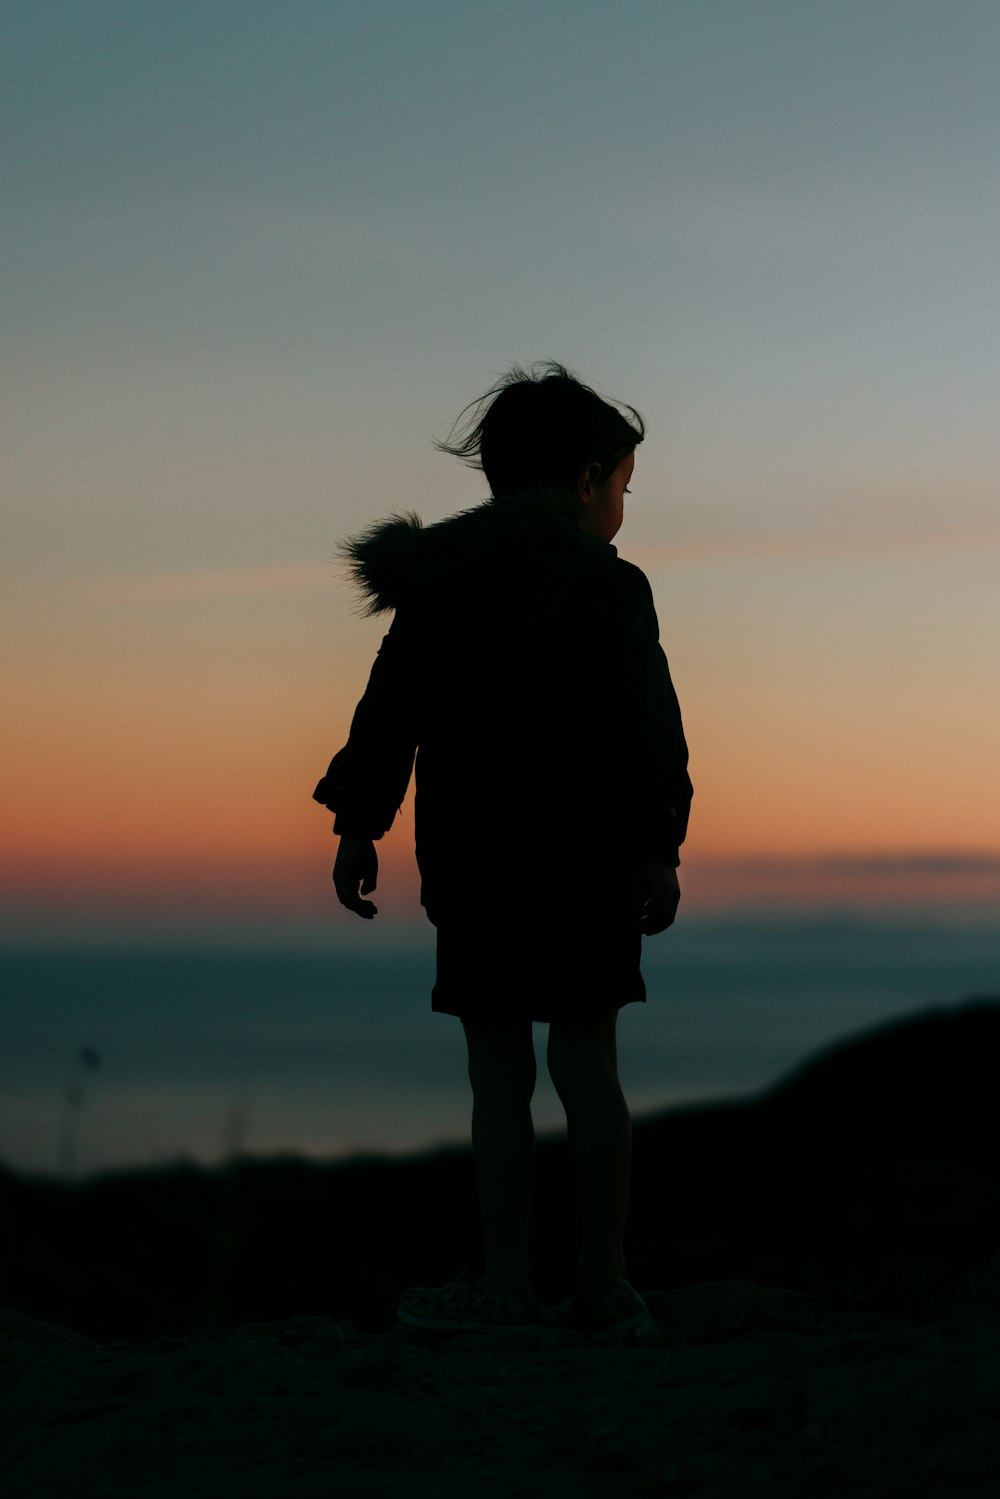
[544,427]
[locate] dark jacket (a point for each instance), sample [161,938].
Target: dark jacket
[523,668]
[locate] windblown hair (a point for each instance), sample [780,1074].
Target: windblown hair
[541,427]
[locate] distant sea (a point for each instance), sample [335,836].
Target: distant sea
[134,1057]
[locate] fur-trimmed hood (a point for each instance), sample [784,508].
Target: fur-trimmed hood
[396,560]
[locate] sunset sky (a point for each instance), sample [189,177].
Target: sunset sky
[259,255]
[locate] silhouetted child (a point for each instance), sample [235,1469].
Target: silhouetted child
[523,668]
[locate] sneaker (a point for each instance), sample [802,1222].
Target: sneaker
[619,1308]
[459,1305]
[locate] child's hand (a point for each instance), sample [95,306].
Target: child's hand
[357,862]
[663,892]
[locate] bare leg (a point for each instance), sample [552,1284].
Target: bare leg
[502,1072]
[583,1065]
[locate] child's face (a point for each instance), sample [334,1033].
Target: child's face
[605,500]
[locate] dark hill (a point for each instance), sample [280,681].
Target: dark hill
[928,1082]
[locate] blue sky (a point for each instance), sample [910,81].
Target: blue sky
[771,226]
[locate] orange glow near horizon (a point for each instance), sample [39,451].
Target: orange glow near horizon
[166,748]
[280,871]
[224,799]
[228,816]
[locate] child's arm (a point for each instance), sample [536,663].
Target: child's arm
[662,893]
[367,780]
[656,789]
[356,864]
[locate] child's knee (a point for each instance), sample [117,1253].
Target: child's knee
[501,1059]
[580,1052]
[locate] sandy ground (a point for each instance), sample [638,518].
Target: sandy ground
[729,1388]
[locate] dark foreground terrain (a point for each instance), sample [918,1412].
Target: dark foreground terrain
[821,1266]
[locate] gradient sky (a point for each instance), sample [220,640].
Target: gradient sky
[258,255]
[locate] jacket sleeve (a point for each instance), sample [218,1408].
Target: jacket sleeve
[655,788]
[367,780]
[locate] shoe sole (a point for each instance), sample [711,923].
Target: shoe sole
[574,1314]
[455,1324]
[571,1324]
